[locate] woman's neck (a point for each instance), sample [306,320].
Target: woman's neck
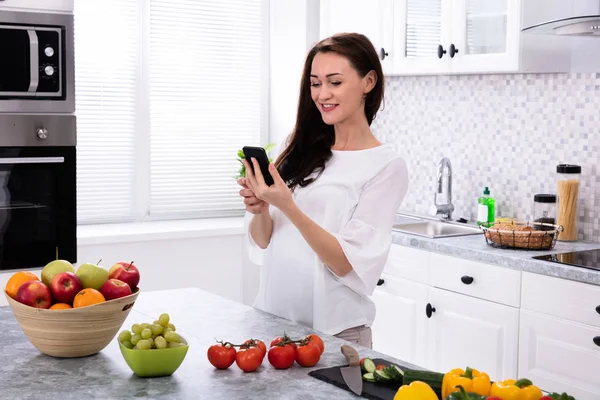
[354,135]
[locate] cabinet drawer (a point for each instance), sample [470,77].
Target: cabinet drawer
[489,282]
[561,298]
[408,263]
[559,355]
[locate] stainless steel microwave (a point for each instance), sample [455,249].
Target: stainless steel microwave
[36,62]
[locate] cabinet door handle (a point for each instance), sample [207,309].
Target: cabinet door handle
[598,309]
[441,51]
[380,282]
[453,50]
[467,280]
[429,310]
[597,341]
[383,54]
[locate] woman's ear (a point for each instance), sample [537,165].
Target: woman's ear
[370,80]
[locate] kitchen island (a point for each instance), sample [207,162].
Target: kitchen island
[200,317]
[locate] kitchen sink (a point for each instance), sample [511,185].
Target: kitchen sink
[436,228]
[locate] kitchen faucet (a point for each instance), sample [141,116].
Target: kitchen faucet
[444,209]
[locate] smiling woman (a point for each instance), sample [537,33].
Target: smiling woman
[324,226]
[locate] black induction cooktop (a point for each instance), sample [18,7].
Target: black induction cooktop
[586,258]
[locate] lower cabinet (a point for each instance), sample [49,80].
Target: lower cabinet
[441,330]
[465,331]
[399,329]
[560,355]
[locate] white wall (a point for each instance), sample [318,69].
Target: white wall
[294,30]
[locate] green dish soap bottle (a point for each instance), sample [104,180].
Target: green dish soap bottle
[485,207]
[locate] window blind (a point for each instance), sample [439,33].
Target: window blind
[423,27]
[206,68]
[106,61]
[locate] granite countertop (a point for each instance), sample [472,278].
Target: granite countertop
[474,247]
[200,317]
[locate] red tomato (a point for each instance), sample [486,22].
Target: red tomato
[220,356]
[258,343]
[282,357]
[308,355]
[281,339]
[249,359]
[380,367]
[314,339]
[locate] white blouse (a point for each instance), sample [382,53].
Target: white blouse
[355,199]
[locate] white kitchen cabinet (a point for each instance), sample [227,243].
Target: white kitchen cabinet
[399,329]
[456,36]
[373,19]
[465,331]
[37,5]
[560,355]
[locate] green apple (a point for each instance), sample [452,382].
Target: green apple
[55,267]
[92,275]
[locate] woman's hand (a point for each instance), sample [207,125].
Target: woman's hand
[278,194]
[253,204]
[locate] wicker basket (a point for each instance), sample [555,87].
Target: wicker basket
[76,332]
[521,235]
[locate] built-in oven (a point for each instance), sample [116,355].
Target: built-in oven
[38,218]
[36,62]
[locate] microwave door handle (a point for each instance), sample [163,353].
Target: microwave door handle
[32,160]
[34,64]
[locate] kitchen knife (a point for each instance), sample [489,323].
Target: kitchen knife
[352,374]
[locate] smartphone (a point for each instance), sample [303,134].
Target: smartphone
[260,155]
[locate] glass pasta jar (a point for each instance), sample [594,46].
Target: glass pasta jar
[568,178]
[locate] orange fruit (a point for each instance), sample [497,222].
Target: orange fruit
[19,278]
[60,306]
[88,297]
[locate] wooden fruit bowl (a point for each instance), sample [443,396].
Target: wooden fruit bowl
[76,332]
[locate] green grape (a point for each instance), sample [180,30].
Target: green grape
[127,344]
[172,327]
[146,333]
[136,328]
[164,319]
[167,330]
[143,345]
[174,344]
[172,337]
[151,342]
[156,329]
[135,339]
[156,322]
[124,336]
[145,325]
[160,342]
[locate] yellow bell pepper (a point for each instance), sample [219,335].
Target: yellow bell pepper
[523,389]
[472,380]
[417,390]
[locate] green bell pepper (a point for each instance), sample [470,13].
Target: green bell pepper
[462,395]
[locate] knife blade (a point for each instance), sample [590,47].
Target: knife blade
[352,374]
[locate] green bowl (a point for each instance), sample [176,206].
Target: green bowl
[155,362]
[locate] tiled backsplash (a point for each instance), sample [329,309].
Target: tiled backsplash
[507,132]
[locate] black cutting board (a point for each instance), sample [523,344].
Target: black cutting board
[374,391]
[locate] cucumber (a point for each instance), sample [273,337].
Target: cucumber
[369,377]
[368,366]
[395,373]
[382,376]
[433,379]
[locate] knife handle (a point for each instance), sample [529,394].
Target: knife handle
[351,355]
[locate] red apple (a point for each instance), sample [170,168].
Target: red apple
[114,289]
[34,294]
[65,286]
[126,272]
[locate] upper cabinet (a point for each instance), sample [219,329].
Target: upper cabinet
[455,36]
[373,19]
[59,6]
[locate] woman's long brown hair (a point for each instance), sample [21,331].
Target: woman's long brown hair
[310,144]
